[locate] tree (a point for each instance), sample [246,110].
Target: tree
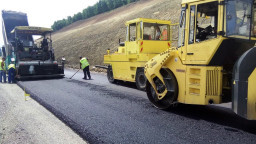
[110,4]
[117,3]
[69,20]
[77,17]
[100,7]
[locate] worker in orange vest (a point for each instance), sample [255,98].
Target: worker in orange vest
[164,35]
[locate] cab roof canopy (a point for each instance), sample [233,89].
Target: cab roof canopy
[190,1]
[31,30]
[148,21]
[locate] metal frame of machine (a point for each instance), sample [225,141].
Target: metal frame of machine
[35,60]
[214,61]
[127,63]
[31,61]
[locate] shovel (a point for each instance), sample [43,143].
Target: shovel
[74,74]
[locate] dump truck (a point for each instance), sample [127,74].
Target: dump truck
[214,61]
[144,39]
[31,60]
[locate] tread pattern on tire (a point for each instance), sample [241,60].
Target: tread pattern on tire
[139,73]
[110,75]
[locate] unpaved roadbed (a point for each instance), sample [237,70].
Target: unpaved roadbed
[28,122]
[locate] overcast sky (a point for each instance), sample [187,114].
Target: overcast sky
[44,12]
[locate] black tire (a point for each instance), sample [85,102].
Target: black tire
[110,75]
[172,86]
[141,79]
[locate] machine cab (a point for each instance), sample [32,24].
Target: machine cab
[146,36]
[222,34]
[26,48]
[206,25]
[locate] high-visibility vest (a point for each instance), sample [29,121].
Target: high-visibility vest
[11,66]
[1,65]
[84,62]
[164,35]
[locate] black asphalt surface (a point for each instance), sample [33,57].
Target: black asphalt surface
[107,113]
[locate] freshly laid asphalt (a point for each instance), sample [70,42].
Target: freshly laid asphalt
[101,112]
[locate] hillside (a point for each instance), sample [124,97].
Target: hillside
[92,37]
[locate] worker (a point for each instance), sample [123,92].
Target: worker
[84,65]
[44,44]
[164,35]
[158,33]
[11,73]
[2,70]
[20,45]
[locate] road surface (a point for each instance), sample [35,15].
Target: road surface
[107,113]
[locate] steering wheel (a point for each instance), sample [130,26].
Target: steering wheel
[209,30]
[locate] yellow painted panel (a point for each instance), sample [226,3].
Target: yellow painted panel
[251,104]
[148,21]
[132,47]
[189,1]
[195,71]
[124,71]
[127,59]
[196,1]
[194,91]
[194,81]
[179,71]
[203,85]
[202,52]
[150,46]
[195,95]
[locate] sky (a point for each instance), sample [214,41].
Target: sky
[43,13]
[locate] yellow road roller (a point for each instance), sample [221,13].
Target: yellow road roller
[214,62]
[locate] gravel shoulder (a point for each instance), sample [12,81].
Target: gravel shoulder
[28,122]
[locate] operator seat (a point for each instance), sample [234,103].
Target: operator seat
[44,45]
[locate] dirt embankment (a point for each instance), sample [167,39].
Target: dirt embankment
[92,37]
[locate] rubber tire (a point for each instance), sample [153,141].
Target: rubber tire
[110,75]
[169,100]
[140,79]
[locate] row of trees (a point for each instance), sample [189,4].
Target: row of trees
[100,7]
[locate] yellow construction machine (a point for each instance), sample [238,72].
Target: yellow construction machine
[214,62]
[145,38]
